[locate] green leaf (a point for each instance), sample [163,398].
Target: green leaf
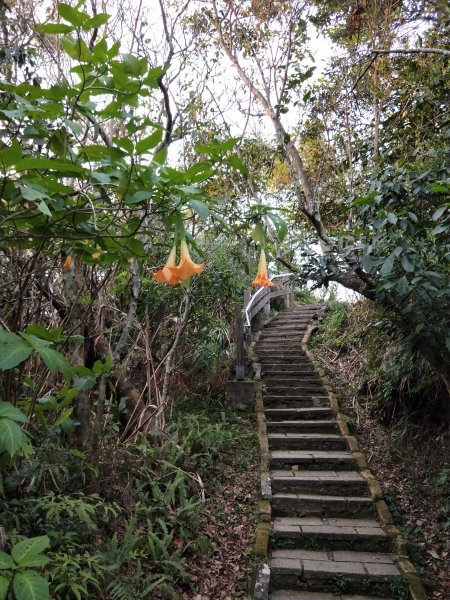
[4,585]
[54,28]
[439,212]
[8,411]
[66,414]
[199,172]
[28,164]
[200,208]
[6,562]
[11,155]
[136,247]
[96,21]
[44,208]
[11,437]
[408,264]
[82,384]
[279,224]
[440,229]
[29,585]
[403,285]
[388,265]
[52,335]
[53,359]
[149,142]
[161,156]
[258,234]
[71,14]
[235,162]
[13,351]
[33,193]
[133,65]
[27,551]
[392,218]
[137,197]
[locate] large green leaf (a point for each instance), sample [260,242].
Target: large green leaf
[54,28]
[28,552]
[70,14]
[11,155]
[149,142]
[53,359]
[388,265]
[4,585]
[13,350]
[200,208]
[6,562]
[28,164]
[8,411]
[11,437]
[235,162]
[29,585]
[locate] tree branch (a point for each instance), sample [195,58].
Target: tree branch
[441,51]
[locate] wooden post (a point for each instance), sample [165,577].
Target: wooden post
[287,298]
[239,336]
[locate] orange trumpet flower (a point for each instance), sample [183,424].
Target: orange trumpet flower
[174,274]
[262,278]
[165,275]
[186,267]
[67,263]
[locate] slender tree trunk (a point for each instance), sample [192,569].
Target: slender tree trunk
[75,325]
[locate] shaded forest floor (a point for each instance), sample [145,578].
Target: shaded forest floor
[228,519]
[410,460]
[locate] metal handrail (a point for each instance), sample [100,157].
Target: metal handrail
[249,305]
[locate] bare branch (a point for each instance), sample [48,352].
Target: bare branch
[441,51]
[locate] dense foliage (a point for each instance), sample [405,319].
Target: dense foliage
[124,135]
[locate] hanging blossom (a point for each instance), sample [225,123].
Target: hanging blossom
[262,278]
[174,274]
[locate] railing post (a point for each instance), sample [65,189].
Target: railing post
[239,336]
[287,298]
[247,297]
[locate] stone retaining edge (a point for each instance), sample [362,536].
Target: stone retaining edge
[406,568]
[259,588]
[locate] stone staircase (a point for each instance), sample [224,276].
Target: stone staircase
[326,541]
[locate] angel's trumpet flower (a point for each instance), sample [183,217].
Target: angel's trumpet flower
[262,278]
[166,275]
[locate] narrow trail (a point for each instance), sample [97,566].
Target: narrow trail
[332,535]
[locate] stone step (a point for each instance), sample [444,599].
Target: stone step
[282,368]
[311,400]
[339,570]
[285,327]
[307,376]
[307,441]
[285,379]
[330,534]
[295,595]
[291,504]
[276,334]
[330,483]
[294,391]
[266,344]
[306,413]
[312,460]
[275,355]
[292,382]
[304,426]
[288,371]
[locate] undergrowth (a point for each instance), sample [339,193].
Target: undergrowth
[398,408]
[130,540]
